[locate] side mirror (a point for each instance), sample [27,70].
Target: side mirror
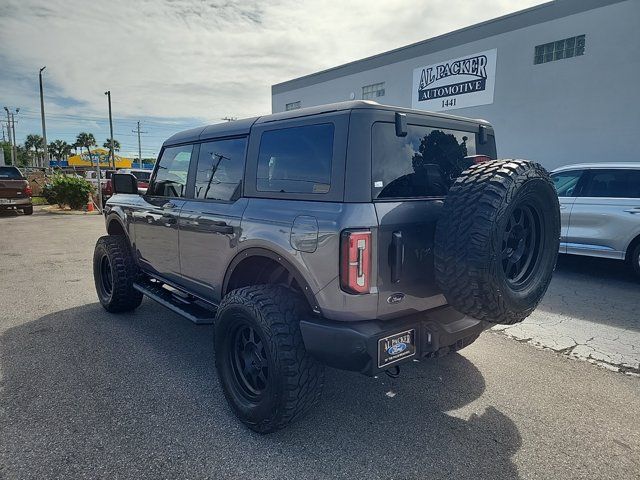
[124,183]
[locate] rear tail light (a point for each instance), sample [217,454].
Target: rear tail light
[27,190]
[478,158]
[355,261]
[108,188]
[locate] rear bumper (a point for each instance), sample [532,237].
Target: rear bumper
[15,203]
[354,345]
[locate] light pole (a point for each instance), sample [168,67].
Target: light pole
[113,158]
[44,129]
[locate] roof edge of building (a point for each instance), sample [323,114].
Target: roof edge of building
[506,23]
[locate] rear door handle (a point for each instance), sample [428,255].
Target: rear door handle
[633,210]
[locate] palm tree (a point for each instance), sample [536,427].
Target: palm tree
[116,148]
[59,149]
[107,144]
[86,140]
[33,142]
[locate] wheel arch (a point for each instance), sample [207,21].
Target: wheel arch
[115,225]
[240,272]
[632,245]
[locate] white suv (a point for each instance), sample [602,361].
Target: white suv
[600,209]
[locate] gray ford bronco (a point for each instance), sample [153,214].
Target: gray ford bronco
[353,235]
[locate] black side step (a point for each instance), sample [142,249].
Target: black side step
[189,309]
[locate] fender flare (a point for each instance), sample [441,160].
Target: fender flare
[114,217]
[263,252]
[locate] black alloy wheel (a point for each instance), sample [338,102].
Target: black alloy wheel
[521,244]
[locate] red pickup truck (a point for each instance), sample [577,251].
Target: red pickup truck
[15,192]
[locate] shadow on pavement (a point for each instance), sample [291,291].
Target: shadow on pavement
[86,393]
[8,213]
[593,267]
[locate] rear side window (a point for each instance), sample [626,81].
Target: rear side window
[10,173]
[142,176]
[622,183]
[424,163]
[220,169]
[171,173]
[566,182]
[296,160]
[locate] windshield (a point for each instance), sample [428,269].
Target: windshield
[10,173]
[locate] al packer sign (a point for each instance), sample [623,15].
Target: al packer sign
[463,82]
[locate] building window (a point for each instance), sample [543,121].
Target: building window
[369,92]
[293,106]
[567,48]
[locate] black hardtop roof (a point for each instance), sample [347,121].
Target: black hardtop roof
[242,127]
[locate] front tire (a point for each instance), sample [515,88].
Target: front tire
[266,374]
[114,272]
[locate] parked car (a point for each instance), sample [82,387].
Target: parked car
[15,192]
[105,182]
[142,175]
[353,235]
[600,210]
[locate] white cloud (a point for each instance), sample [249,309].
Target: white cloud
[202,59]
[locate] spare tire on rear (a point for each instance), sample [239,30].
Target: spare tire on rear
[496,243]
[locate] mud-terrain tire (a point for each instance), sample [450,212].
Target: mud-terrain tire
[114,272]
[266,374]
[496,243]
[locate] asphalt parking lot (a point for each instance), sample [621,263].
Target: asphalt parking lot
[87,394]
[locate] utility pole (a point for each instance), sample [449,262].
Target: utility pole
[13,158]
[112,153]
[137,130]
[44,129]
[15,145]
[12,126]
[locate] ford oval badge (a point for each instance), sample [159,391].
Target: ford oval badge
[397,348]
[395,298]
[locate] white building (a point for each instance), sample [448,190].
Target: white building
[558,81]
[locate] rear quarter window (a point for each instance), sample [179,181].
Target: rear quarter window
[296,159]
[424,163]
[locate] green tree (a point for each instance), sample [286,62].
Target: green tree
[6,147]
[107,145]
[59,149]
[24,156]
[86,140]
[34,142]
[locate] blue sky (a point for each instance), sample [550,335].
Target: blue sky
[176,64]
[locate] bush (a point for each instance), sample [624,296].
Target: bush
[68,190]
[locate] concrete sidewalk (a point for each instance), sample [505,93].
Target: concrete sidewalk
[591,312]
